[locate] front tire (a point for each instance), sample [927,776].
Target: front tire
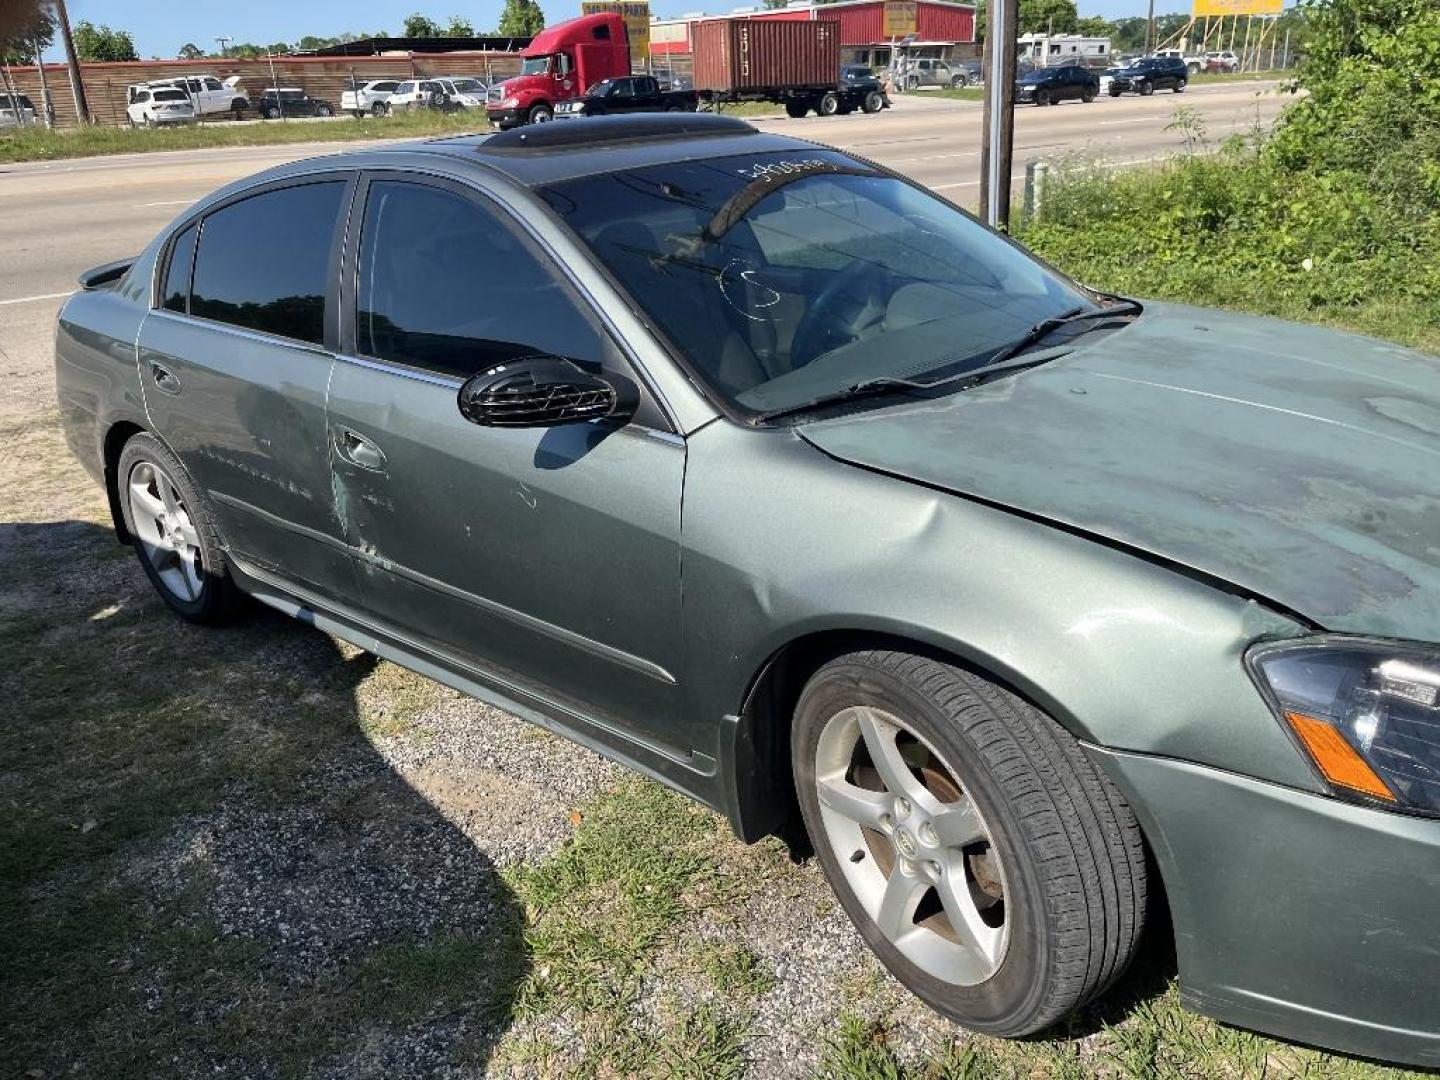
[959,82]
[380,108]
[873,102]
[540,114]
[324,110]
[173,533]
[1147,88]
[992,868]
[1180,86]
[1042,98]
[1088,95]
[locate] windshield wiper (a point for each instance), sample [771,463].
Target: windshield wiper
[1045,327]
[892,383]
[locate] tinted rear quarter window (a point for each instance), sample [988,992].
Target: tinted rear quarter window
[175,294]
[264,262]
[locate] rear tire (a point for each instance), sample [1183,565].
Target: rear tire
[959,82]
[1042,97]
[380,108]
[1088,95]
[796,109]
[1002,820]
[173,533]
[828,105]
[1147,88]
[324,110]
[1180,86]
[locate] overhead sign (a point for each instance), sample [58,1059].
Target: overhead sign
[900,18]
[636,14]
[1208,8]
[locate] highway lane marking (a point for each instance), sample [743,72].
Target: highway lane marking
[32,299]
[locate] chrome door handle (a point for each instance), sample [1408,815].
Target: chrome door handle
[358,450]
[165,379]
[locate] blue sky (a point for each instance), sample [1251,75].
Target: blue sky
[160,29]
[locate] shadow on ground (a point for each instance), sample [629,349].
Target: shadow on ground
[205,865]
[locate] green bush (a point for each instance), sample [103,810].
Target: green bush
[1335,216]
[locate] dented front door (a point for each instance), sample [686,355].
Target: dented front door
[547,559]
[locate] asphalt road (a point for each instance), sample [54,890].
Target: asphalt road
[57,218]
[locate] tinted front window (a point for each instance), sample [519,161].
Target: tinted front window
[787,276]
[264,262]
[423,301]
[175,294]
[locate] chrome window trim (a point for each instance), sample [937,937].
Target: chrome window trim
[245,332]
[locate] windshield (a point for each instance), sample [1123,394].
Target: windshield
[535,65]
[784,277]
[601,88]
[467,86]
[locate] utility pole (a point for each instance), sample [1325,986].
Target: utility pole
[77,88]
[998,135]
[45,104]
[1150,30]
[223,41]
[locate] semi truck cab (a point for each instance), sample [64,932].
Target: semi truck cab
[562,62]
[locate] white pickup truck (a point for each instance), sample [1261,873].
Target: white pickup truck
[208,95]
[372,97]
[1195,64]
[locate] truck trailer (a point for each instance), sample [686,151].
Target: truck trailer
[790,62]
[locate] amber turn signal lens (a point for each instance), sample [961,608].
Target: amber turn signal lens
[1337,759]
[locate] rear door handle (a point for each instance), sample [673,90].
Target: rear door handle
[358,450]
[164,378]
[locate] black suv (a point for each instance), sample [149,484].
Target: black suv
[1151,74]
[274,104]
[1046,86]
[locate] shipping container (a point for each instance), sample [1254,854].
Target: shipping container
[733,56]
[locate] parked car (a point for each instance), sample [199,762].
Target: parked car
[1106,77]
[1225,60]
[632,93]
[1050,86]
[15,110]
[1029,597]
[163,105]
[1146,76]
[1194,64]
[208,95]
[291,101]
[439,93]
[916,74]
[372,97]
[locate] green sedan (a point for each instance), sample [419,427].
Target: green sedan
[781,480]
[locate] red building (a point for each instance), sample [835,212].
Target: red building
[869,29]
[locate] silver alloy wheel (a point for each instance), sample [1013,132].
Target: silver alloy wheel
[912,845]
[163,526]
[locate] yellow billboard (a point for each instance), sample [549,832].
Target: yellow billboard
[900,18]
[637,23]
[1207,8]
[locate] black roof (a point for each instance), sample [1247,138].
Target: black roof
[374,46]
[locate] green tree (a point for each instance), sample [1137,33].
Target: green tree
[26,28]
[418,25]
[459,27]
[102,44]
[190,51]
[521,18]
[1093,26]
[1048,16]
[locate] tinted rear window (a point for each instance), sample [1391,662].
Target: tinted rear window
[264,262]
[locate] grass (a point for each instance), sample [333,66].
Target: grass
[1204,77]
[963,93]
[1229,229]
[38,144]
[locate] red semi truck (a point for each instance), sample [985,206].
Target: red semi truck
[561,62]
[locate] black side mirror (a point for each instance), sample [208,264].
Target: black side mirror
[544,391]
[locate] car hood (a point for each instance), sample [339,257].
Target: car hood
[1297,463]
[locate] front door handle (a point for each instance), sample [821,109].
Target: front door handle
[358,450]
[164,378]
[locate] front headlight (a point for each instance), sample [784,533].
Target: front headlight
[510,103]
[1366,713]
